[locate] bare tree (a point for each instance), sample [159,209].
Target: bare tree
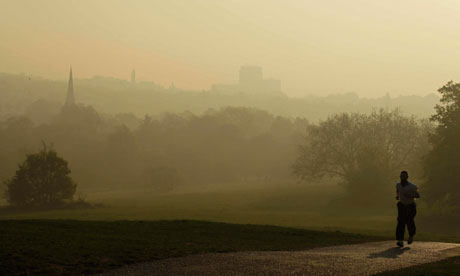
[365,151]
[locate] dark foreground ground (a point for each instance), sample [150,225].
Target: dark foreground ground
[70,247]
[362,259]
[447,267]
[67,247]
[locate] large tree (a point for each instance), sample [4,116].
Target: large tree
[442,163]
[43,179]
[367,151]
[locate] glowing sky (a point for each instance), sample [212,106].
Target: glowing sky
[314,47]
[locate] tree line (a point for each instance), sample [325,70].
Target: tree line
[363,151]
[160,153]
[367,152]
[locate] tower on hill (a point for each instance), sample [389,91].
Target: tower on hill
[133,77]
[70,100]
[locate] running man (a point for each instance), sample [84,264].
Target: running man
[406,192]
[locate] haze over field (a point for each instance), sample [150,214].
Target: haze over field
[298,113]
[314,47]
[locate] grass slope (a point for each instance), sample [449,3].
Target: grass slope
[56,247]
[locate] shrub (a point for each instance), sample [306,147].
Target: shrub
[43,179]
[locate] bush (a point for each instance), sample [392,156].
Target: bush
[43,179]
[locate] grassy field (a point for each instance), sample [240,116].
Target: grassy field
[57,247]
[299,206]
[294,206]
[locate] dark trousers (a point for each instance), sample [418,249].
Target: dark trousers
[406,214]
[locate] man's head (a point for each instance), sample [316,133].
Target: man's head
[404,176]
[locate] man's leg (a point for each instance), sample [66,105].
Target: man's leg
[402,218]
[412,211]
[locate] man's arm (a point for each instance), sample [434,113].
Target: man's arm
[416,194]
[397,193]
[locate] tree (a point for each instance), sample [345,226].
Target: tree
[442,163]
[121,156]
[43,179]
[365,151]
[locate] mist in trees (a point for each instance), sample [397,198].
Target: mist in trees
[160,153]
[362,151]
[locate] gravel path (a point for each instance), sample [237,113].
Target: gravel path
[359,259]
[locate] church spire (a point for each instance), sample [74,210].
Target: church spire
[70,100]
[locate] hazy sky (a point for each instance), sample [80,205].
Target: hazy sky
[314,47]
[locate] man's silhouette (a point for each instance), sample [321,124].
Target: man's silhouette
[405,193]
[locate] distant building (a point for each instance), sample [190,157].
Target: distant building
[70,99]
[251,82]
[251,77]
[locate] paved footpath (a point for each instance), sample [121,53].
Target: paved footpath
[358,259]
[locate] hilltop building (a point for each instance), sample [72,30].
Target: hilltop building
[251,82]
[133,77]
